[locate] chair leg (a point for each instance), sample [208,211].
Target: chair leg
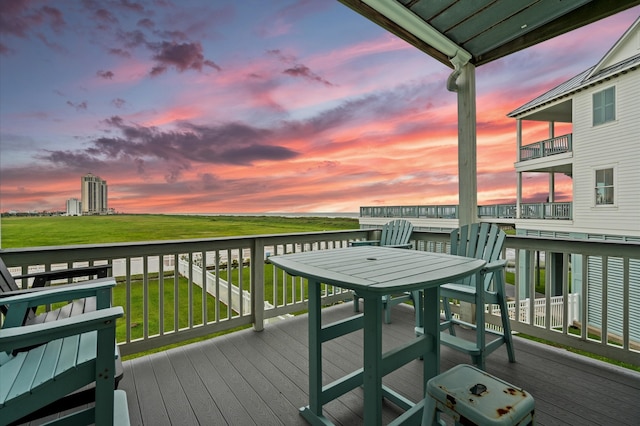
[386,305]
[506,327]
[356,303]
[447,315]
[416,296]
[429,417]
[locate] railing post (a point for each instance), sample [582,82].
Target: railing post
[257,284]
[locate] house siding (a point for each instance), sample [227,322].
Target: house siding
[615,144]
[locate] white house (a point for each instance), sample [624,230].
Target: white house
[602,106]
[601,154]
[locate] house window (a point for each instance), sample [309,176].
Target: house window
[604,187]
[604,106]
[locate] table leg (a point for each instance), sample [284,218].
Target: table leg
[372,380]
[431,316]
[315,352]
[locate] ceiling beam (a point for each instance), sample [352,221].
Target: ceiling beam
[386,23]
[584,15]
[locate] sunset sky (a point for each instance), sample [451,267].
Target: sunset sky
[222,106]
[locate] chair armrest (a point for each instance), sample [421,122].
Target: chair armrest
[40,279]
[404,246]
[494,266]
[6,294]
[19,304]
[36,334]
[364,243]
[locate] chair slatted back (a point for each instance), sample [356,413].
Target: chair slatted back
[8,283]
[396,232]
[480,241]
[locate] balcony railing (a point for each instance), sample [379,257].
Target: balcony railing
[431,212]
[561,211]
[546,148]
[242,288]
[546,211]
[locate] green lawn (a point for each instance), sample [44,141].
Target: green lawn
[17,232]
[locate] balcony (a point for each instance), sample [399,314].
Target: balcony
[249,377]
[546,148]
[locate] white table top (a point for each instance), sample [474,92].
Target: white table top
[381,270]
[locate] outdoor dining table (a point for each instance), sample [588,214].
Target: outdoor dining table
[373,272]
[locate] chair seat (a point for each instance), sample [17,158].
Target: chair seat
[457,289]
[27,371]
[466,293]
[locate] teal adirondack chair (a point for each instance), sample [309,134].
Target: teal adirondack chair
[394,234]
[481,241]
[10,287]
[40,281]
[65,355]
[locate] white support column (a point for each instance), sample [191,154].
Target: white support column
[552,183]
[518,193]
[518,174]
[467,156]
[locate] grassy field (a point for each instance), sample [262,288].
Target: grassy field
[19,232]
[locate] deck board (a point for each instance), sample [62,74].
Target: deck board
[248,378]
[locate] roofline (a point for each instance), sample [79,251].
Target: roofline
[587,83]
[604,59]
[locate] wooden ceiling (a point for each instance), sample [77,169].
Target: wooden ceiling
[485,30]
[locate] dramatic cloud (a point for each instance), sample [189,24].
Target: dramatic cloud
[18,19]
[81,106]
[146,23]
[231,143]
[305,72]
[118,103]
[105,19]
[108,75]
[182,56]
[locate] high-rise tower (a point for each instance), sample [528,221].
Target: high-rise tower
[94,195]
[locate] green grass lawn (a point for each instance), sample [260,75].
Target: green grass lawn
[17,232]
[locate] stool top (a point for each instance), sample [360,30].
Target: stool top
[478,396]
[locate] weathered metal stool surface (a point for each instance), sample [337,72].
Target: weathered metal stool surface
[472,396]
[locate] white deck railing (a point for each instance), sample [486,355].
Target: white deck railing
[546,147]
[175,309]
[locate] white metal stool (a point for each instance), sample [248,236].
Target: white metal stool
[474,397]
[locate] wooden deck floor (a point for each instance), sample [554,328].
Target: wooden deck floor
[248,378]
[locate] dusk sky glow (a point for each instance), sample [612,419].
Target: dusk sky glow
[221,106]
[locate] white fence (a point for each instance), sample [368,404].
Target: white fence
[540,310]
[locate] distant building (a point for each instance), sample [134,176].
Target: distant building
[74,207]
[94,195]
